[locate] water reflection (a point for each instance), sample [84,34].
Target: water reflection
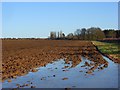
[65,73]
[21,63]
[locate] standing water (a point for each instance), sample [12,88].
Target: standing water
[61,75]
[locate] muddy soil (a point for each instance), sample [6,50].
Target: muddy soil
[22,56]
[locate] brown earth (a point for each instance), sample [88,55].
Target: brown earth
[113,57]
[21,56]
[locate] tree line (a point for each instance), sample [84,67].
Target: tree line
[93,33]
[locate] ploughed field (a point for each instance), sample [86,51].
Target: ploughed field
[22,56]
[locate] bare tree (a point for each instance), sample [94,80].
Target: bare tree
[83,32]
[52,35]
[70,36]
[77,33]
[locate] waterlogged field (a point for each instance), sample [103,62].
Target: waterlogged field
[56,64]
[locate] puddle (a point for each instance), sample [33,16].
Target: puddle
[61,75]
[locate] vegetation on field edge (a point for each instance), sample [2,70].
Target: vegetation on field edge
[109,49]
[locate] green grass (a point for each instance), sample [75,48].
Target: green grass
[108,48]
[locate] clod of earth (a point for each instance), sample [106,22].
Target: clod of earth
[66,66]
[89,72]
[34,70]
[22,56]
[27,85]
[80,71]
[9,80]
[87,64]
[18,85]
[64,78]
